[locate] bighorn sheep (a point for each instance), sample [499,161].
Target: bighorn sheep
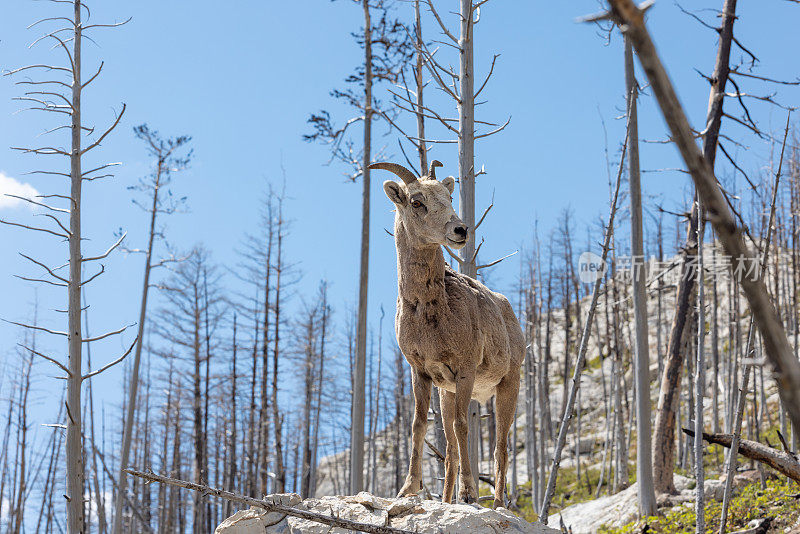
[453,330]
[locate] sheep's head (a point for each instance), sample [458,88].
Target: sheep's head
[425,206]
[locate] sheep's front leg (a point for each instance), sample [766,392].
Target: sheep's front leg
[467,493]
[451,456]
[421,384]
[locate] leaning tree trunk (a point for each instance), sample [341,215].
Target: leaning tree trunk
[357,412]
[644,454]
[664,432]
[127,434]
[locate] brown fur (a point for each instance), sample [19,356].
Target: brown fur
[455,333]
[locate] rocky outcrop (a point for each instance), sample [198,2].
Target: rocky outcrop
[623,507]
[412,514]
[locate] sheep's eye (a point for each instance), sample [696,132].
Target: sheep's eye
[416,203]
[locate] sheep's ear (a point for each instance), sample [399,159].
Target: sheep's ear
[394,192]
[449,183]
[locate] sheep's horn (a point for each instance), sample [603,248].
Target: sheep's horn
[432,172]
[403,173]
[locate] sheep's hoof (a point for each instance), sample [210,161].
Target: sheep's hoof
[498,504]
[406,490]
[467,497]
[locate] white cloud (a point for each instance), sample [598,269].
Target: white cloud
[10,186]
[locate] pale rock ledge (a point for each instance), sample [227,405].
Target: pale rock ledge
[407,513]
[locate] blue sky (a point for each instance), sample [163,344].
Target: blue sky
[242,77]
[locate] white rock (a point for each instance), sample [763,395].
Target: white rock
[408,513]
[255,520]
[612,510]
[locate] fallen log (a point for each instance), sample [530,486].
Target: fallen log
[784,462]
[757,526]
[270,507]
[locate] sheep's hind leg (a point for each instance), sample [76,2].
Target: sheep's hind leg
[422,397]
[505,408]
[448,400]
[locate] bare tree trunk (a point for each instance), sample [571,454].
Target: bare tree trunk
[466,190]
[644,458]
[231,467]
[18,511]
[358,405]
[74,457]
[700,379]
[664,432]
[305,479]
[376,416]
[323,337]
[99,496]
[280,469]
[580,360]
[127,433]
[421,144]
[736,428]
[263,411]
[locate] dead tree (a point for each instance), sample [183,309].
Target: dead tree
[62,95]
[182,323]
[255,270]
[277,418]
[325,311]
[786,368]
[584,340]
[307,338]
[644,453]
[664,432]
[737,419]
[20,480]
[169,157]
[785,462]
[386,50]
[460,87]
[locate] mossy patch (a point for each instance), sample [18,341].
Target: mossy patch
[780,500]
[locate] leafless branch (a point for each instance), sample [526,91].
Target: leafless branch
[485,212]
[95,75]
[45,267]
[45,150]
[101,167]
[36,327]
[108,131]
[441,23]
[112,364]
[491,70]
[107,334]
[764,78]
[498,129]
[114,25]
[42,204]
[454,255]
[38,66]
[54,218]
[2,221]
[495,262]
[46,357]
[98,273]
[107,252]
